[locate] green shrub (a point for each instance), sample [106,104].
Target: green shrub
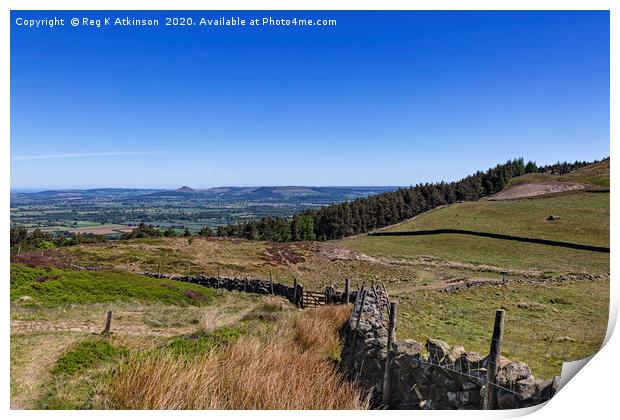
[85,355]
[46,245]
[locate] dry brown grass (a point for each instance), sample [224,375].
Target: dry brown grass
[309,330]
[291,370]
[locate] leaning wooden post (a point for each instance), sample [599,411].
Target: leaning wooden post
[346,291]
[388,357]
[108,323]
[490,396]
[294,298]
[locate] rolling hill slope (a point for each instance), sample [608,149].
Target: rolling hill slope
[583,219]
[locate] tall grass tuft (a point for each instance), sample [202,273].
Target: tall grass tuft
[292,369]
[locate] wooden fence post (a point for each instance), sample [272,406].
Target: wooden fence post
[301,296]
[357,324]
[159,268]
[490,396]
[388,357]
[346,291]
[294,299]
[19,250]
[271,282]
[108,323]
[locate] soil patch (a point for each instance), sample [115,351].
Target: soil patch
[536,189]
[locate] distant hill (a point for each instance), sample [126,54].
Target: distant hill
[185,188]
[275,193]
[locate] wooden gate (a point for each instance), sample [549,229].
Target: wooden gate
[313,299]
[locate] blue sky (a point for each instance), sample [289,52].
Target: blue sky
[383,98]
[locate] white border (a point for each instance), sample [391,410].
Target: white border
[591,394]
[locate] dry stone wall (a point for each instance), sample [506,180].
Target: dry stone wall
[258,286]
[430,376]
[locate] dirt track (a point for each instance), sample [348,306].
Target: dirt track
[537,189]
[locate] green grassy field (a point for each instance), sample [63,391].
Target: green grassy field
[484,251]
[545,324]
[584,219]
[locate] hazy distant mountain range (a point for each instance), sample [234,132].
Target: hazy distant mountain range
[315,195]
[277,193]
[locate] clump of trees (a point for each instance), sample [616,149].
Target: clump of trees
[278,229]
[24,240]
[146,231]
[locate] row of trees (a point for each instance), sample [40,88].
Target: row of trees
[365,214]
[562,168]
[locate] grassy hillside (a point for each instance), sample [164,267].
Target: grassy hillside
[483,251]
[584,219]
[594,176]
[545,324]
